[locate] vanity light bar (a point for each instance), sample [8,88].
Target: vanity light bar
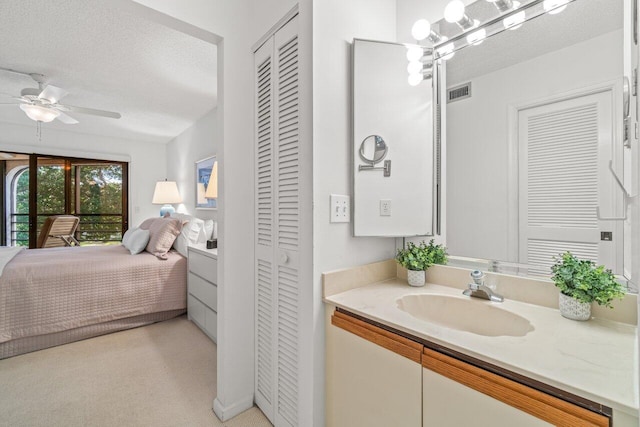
[509,20]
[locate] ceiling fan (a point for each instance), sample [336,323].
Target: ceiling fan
[42,104]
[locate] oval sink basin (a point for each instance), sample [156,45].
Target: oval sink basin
[465,314]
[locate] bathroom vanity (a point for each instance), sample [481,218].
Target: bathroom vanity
[394,358]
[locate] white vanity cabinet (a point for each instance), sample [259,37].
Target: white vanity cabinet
[202,296]
[373,376]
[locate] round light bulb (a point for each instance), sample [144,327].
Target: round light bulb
[514,22]
[454,11]
[555,6]
[415,67]
[477,37]
[421,29]
[414,79]
[446,52]
[414,53]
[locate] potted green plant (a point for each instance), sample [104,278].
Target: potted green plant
[581,282]
[418,258]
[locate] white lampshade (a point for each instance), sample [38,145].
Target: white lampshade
[39,113]
[166,192]
[212,187]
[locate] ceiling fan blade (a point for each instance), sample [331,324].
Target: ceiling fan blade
[91,111]
[53,94]
[66,119]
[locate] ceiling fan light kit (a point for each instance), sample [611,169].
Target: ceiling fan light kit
[42,104]
[39,113]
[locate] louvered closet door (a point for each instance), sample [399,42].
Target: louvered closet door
[265,266]
[564,151]
[278,226]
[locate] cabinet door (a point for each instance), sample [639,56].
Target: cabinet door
[456,393]
[373,377]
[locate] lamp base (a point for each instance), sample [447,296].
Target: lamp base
[167,209]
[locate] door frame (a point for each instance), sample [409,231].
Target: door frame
[615,87]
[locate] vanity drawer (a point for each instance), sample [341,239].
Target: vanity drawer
[203,266]
[205,291]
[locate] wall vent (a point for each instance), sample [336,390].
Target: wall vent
[459,92]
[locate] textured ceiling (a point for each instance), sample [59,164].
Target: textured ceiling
[159,79]
[581,20]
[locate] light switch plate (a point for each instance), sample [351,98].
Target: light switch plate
[340,208]
[385,207]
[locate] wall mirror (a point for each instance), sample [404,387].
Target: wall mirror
[392,148]
[532,154]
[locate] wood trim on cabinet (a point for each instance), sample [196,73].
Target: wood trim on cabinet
[397,344]
[541,405]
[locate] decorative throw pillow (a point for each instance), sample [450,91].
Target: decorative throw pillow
[127,236]
[137,241]
[162,233]
[146,224]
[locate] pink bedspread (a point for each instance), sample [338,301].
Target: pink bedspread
[52,290]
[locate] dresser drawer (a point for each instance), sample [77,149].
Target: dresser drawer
[205,291]
[203,266]
[196,310]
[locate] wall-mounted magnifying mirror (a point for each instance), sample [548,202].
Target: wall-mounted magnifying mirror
[373,149]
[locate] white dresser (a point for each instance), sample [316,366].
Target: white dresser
[202,297]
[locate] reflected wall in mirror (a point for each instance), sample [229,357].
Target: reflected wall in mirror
[393,197]
[528,154]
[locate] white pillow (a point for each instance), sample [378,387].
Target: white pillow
[209,228]
[181,245]
[192,227]
[136,241]
[127,236]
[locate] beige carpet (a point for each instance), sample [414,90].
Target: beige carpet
[158,375]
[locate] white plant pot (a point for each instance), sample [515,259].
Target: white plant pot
[416,278]
[573,309]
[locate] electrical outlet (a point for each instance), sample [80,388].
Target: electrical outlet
[340,208]
[385,207]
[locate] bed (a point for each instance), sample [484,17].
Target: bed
[55,296]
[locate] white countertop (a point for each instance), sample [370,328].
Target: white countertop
[597,359]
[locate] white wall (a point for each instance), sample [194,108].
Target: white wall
[196,143]
[335,24]
[478,138]
[147,160]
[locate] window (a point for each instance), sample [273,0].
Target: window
[94,190]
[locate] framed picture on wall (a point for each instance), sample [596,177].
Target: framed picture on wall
[207,183]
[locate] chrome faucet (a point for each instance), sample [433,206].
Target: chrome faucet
[478,289]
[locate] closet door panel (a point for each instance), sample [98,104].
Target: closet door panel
[265,381]
[287,187]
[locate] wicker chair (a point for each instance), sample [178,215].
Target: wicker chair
[58,231]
